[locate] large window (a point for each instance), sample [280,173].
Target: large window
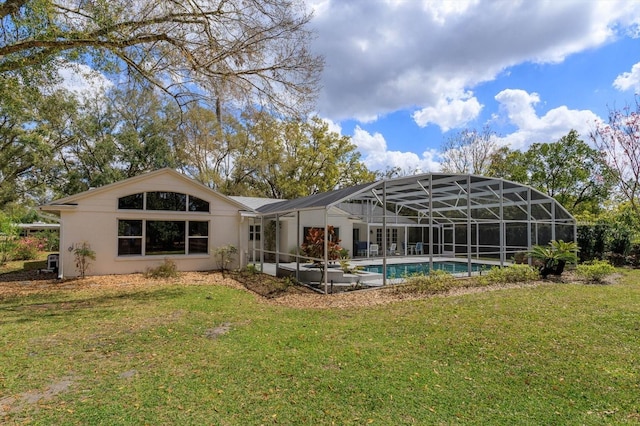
[129,237]
[162,200]
[162,237]
[165,237]
[198,237]
[131,202]
[173,201]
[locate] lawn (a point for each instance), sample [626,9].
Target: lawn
[208,354]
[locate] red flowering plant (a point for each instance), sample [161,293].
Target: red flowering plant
[313,247]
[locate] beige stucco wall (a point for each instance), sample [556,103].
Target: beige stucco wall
[95,221]
[314,218]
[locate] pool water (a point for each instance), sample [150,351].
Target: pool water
[408,269]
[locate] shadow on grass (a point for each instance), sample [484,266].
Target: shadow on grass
[26,312]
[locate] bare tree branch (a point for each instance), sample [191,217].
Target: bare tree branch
[247,50]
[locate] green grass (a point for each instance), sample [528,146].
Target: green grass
[552,354]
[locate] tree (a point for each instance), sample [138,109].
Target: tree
[619,140]
[33,126]
[570,171]
[203,145]
[509,164]
[298,158]
[469,151]
[116,135]
[251,50]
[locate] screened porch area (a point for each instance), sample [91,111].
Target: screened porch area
[465,218]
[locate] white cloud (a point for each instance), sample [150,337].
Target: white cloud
[82,80]
[629,80]
[384,56]
[518,106]
[375,156]
[449,113]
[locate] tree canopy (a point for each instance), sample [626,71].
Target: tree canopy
[244,50]
[568,170]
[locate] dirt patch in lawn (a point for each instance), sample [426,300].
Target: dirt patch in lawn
[17,403]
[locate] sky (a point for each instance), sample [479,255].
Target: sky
[401,77]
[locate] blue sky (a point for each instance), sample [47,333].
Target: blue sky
[401,76]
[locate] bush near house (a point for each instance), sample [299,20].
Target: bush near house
[595,271]
[551,259]
[516,273]
[27,248]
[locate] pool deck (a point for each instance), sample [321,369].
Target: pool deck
[374,279]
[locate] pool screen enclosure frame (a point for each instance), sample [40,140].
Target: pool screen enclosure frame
[454,215]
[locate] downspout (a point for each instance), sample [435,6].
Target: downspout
[241,244]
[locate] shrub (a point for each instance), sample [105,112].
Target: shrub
[224,256]
[27,248]
[435,282]
[83,253]
[50,240]
[347,267]
[553,257]
[168,269]
[595,270]
[509,274]
[634,256]
[313,246]
[8,234]
[251,269]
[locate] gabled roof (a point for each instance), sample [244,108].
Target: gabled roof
[67,202]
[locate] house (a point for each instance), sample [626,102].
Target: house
[135,224]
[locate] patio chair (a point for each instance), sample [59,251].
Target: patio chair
[361,248]
[419,248]
[373,250]
[392,248]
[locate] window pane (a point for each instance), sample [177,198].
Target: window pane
[197,204]
[165,237]
[198,245]
[198,229]
[254,232]
[129,246]
[130,228]
[131,202]
[173,201]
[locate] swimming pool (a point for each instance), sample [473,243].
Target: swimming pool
[407,269]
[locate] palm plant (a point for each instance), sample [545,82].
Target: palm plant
[555,256]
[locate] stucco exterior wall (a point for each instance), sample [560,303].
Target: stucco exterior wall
[95,220]
[314,218]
